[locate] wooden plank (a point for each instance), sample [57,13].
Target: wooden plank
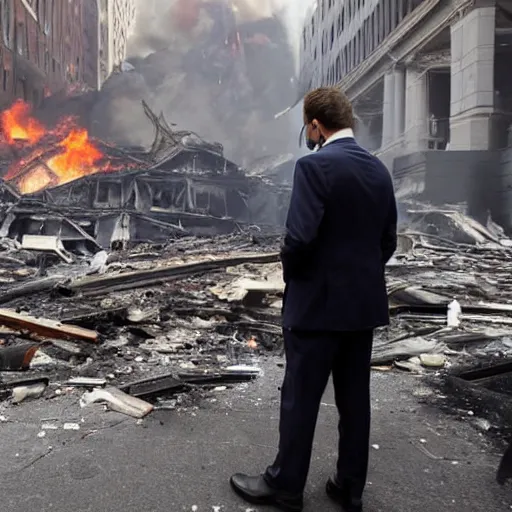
[45,327]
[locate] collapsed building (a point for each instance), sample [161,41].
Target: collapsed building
[86,191]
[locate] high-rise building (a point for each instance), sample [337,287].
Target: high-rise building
[41,48]
[92,28]
[116,19]
[423,75]
[107,25]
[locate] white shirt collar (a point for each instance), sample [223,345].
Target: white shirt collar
[340,134]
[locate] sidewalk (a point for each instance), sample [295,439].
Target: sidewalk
[182,461]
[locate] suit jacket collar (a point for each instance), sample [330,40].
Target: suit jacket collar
[347,133]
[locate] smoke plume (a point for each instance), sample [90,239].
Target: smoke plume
[221,68]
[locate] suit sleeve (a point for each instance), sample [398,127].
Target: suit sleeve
[305,214]
[389,237]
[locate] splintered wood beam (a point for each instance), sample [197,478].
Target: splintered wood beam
[45,327]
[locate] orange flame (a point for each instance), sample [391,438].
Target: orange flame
[77,157]
[18,125]
[38,179]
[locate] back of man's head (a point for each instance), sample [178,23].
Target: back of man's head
[330,107]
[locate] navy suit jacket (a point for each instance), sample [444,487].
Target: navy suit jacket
[340,233]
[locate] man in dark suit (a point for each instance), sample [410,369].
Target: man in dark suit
[340,233]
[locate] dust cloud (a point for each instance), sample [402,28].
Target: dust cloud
[217,67]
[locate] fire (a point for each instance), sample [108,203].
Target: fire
[38,179]
[66,153]
[78,159]
[18,125]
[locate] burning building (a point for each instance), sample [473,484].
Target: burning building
[61,182]
[90,166]
[41,47]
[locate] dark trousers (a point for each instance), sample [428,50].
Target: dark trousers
[310,359]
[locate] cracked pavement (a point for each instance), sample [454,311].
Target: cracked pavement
[174,461]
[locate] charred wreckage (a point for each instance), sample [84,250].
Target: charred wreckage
[89,193]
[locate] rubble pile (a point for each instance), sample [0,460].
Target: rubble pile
[155,321]
[447,259]
[160,319]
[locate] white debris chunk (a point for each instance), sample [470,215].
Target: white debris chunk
[21,393]
[433,360]
[71,426]
[99,263]
[375,446]
[454,311]
[483,424]
[118,401]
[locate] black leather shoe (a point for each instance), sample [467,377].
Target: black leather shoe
[341,494]
[255,490]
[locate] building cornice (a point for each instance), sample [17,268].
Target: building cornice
[410,36]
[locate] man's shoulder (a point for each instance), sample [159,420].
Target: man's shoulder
[307,160]
[321,158]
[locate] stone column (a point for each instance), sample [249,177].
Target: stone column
[388,117]
[399,103]
[472,80]
[416,110]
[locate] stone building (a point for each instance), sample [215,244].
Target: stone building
[116,19]
[92,27]
[423,74]
[41,48]
[431,85]
[107,27]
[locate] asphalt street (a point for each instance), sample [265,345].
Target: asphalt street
[421,459]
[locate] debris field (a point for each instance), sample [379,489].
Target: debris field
[151,274]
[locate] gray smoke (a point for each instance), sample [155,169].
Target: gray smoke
[221,72]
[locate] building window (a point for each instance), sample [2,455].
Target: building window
[6,12]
